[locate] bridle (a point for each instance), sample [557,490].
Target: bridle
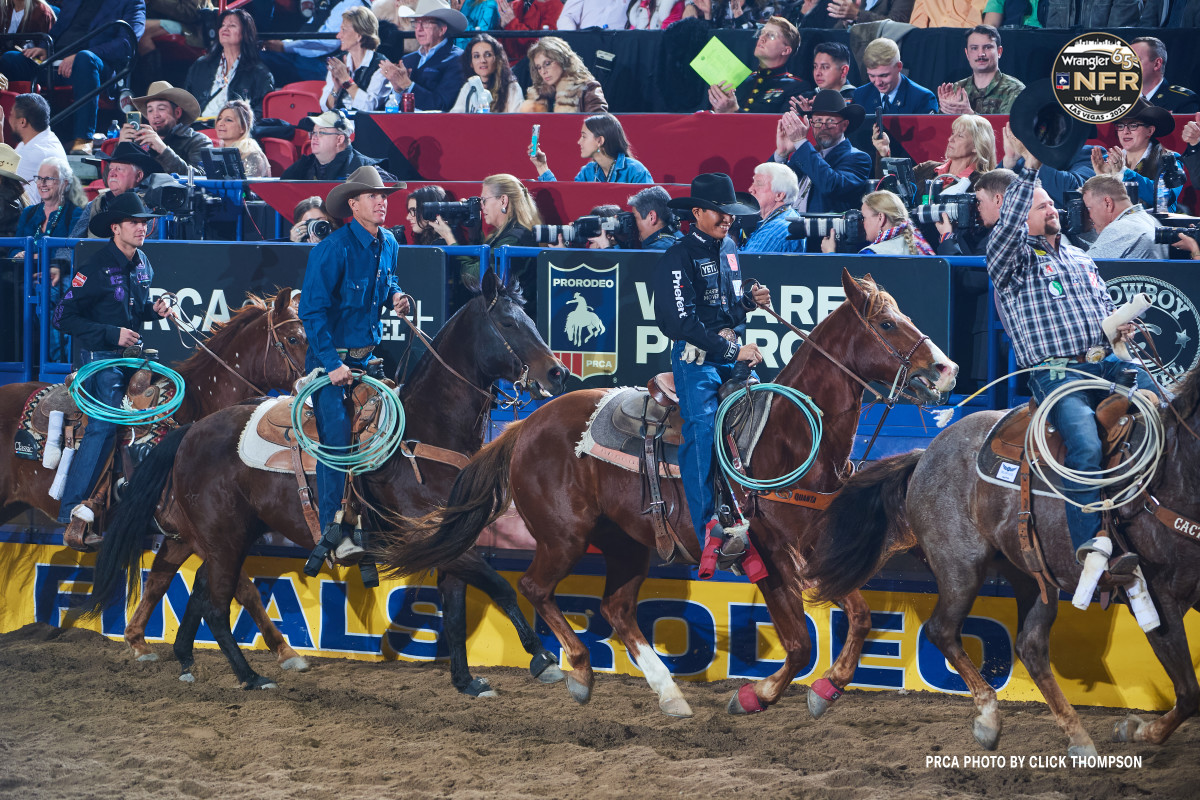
[273,341]
[905,359]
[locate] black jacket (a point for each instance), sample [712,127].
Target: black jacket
[345,162]
[437,83]
[183,146]
[107,293]
[694,297]
[251,82]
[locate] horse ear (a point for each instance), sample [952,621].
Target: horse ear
[282,301]
[854,292]
[490,285]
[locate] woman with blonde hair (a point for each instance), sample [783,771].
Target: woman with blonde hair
[354,80]
[233,125]
[970,152]
[561,83]
[888,228]
[507,209]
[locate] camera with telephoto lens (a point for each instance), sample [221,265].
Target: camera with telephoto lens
[960,208]
[1074,217]
[184,201]
[1171,235]
[400,233]
[847,227]
[622,226]
[899,178]
[317,229]
[463,213]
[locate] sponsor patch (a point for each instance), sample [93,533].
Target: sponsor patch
[732,259]
[1007,472]
[79,280]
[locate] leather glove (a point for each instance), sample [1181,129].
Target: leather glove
[692,354]
[748,300]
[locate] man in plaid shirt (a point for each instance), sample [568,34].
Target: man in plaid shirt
[1053,300]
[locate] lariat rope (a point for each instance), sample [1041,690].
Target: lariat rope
[360,456]
[129,417]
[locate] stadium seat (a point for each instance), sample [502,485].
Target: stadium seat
[280,154]
[7,98]
[306,87]
[174,47]
[290,106]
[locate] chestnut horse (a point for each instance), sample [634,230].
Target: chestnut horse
[967,526]
[569,503]
[227,506]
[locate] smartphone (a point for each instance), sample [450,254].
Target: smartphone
[533,141]
[133,118]
[879,117]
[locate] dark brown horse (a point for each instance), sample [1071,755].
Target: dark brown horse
[569,502]
[967,526]
[227,506]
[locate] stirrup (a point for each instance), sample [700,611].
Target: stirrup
[1124,564]
[708,559]
[330,538]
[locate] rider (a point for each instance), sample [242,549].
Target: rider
[697,305]
[1053,301]
[351,276]
[108,299]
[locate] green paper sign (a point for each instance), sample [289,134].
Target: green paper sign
[716,63]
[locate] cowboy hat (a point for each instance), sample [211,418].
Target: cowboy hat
[455,22]
[1156,117]
[827,101]
[363,179]
[127,205]
[1048,132]
[714,191]
[128,153]
[161,90]
[9,161]
[328,119]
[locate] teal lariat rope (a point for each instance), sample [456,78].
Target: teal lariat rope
[812,415]
[363,456]
[125,416]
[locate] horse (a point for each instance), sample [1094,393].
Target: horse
[227,505]
[569,503]
[966,526]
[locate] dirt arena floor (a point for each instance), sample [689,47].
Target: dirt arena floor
[78,719]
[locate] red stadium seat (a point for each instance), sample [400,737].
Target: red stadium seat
[305,87]
[290,106]
[280,154]
[174,47]
[7,98]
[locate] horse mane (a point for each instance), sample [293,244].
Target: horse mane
[877,297]
[511,291]
[224,332]
[1188,397]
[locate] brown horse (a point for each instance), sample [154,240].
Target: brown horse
[569,502]
[967,526]
[227,506]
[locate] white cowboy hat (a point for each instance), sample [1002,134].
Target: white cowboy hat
[455,21]
[9,161]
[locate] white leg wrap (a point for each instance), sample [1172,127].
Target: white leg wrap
[656,672]
[1094,565]
[83,512]
[52,451]
[1140,603]
[60,477]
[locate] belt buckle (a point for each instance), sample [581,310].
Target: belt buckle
[359,353]
[1094,355]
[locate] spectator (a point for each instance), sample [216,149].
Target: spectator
[292,60]
[987,90]
[989,195]
[129,169]
[165,132]
[431,233]
[179,18]
[30,121]
[1089,16]
[580,14]
[832,173]
[1011,13]
[485,59]
[12,190]
[724,13]
[234,123]
[1125,229]
[354,79]
[86,68]
[1139,156]
[433,74]
[26,16]
[482,15]
[811,14]
[1153,55]
[775,188]
[888,228]
[1191,155]
[848,12]
[770,88]
[527,15]
[310,209]
[602,141]
[889,87]
[394,19]
[970,152]
[60,202]
[947,13]
[561,83]
[831,66]
[652,15]
[657,228]
[231,69]
[333,158]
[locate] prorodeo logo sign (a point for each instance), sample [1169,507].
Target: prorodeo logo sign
[1097,77]
[583,319]
[1172,320]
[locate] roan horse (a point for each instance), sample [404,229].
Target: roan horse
[227,506]
[568,502]
[966,526]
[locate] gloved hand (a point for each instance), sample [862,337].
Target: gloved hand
[692,354]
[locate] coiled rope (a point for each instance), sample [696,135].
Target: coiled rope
[812,415]
[362,456]
[125,415]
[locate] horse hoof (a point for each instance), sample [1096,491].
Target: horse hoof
[295,662]
[551,674]
[544,667]
[1082,751]
[745,701]
[987,736]
[676,707]
[187,677]
[259,682]
[479,687]
[148,657]
[821,696]
[1126,730]
[817,705]
[579,693]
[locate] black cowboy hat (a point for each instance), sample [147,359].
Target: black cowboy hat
[1156,117]
[714,191]
[128,153]
[827,101]
[1040,123]
[127,205]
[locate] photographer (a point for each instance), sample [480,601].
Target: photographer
[775,188]
[1125,229]
[970,152]
[989,195]
[429,233]
[1189,244]
[508,209]
[656,223]
[311,210]
[888,228]
[602,140]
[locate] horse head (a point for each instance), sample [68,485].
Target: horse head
[510,347]
[285,334]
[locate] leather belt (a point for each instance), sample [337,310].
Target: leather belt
[1093,355]
[357,353]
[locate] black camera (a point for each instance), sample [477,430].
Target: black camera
[1172,174]
[317,229]
[181,200]
[1075,219]
[960,208]
[622,226]
[899,178]
[1171,235]
[846,227]
[399,232]
[463,213]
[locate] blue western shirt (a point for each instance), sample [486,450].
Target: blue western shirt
[661,239]
[625,170]
[771,234]
[350,277]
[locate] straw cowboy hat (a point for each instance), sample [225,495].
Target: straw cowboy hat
[455,22]
[127,205]
[362,180]
[128,153]
[827,101]
[9,160]
[714,191]
[161,90]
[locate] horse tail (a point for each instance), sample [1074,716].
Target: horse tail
[864,525]
[121,550]
[480,494]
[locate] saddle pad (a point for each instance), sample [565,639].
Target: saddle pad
[257,453]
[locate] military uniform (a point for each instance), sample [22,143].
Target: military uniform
[769,91]
[995,98]
[1176,99]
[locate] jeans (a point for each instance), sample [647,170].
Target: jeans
[108,387]
[86,73]
[1075,418]
[697,388]
[333,428]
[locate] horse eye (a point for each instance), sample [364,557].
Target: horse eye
[507,324]
[293,340]
[887,326]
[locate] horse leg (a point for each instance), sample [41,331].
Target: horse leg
[829,687]
[247,594]
[1169,641]
[454,627]
[537,584]
[627,564]
[185,637]
[787,614]
[222,583]
[167,561]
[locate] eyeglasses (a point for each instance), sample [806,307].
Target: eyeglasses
[1129,126]
[41,179]
[314,133]
[545,65]
[827,123]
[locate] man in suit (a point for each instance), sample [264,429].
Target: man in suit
[833,173]
[433,74]
[1155,90]
[889,86]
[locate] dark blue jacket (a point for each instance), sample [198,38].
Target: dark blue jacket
[344,291]
[113,49]
[839,180]
[911,98]
[436,85]
[32,217]
[108,292]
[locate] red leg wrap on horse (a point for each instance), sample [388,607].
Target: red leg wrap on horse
[826,689]
[708,559]
[752,564]
[749,699]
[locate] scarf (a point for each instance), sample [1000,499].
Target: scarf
[923,248]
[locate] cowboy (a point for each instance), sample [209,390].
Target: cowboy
[433,74]
[351,276]
[130,169]
[698,302]
[107,301]
[165,132]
